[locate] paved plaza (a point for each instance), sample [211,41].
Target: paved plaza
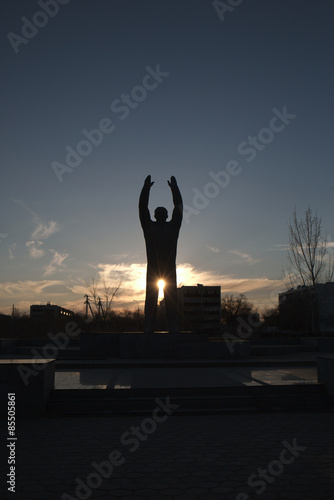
[213,457]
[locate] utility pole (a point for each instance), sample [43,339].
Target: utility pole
[88,306]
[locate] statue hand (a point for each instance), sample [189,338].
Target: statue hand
[172,182]
[148,181]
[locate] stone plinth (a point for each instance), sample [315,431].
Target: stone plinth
[325,366]
[31,380]
[161,346]
[326,344]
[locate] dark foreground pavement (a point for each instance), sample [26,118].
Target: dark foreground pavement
[213,457]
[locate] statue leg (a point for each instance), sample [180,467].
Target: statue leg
[170,295]
[152,291]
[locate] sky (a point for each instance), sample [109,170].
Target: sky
[235,99]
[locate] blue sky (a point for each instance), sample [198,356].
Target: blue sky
[224,81]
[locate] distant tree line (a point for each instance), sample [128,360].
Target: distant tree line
[22,325]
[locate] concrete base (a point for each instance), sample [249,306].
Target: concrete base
[326,344]
[30,380]
[161,346]
[325,366]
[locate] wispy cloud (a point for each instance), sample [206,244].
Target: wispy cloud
[133,282]
[213,249]
[279,247]
[25,293]
[41,232]
[245,257]
[20,202]
[34,249]
[10,251]
[31,288]
[45,230]
[57,262]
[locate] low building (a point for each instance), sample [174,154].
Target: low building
[49,312]
[200,308]
[296,311]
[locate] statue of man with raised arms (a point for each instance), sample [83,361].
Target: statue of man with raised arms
[161,242]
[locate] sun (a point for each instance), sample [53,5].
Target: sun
[161,285]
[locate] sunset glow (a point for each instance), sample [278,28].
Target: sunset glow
[231,125]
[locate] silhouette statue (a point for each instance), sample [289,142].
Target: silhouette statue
[161,241]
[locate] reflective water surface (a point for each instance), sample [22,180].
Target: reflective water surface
[148,377]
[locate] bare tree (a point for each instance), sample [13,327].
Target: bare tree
[307,255]
[109,292]
[98,287]
[271,318]
[233,307]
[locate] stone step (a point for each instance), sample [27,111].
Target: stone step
[91,394]
[306,397]
[273,350]
[72,352]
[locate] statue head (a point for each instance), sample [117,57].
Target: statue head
[160,214]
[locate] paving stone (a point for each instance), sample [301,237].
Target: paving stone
[207,484]
[170,492]
[120,492]
[186,473]
[186,496]
[34,489]
[233,484]
[131,497]
[215,478]
[157,486]
[132,486]
[153,497]
[184,485]
[197,491]
[201,473]
[197,452]
[323,495]
[136,475]
[42,495]
[303,482]
[211,496]
[147,493]
[153,475]
[292,495]
[168,480]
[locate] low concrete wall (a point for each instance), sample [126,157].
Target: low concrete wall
[272,346]
[99,344]
[160,346]
[259,341]
[31,380]
[8,346]
[325,366]
[44,347]
[326,344]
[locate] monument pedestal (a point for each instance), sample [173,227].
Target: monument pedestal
[325,367]
[161,346]
[31,380]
